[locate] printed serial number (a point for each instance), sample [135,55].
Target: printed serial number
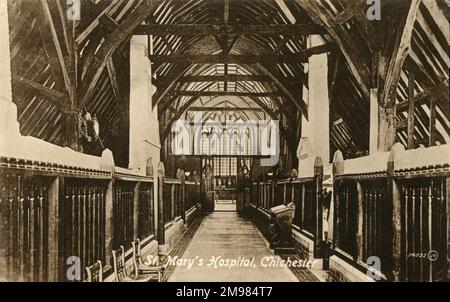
[245,291]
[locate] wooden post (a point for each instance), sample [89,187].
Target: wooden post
[109,231]
[432,126]
[447,185]
[56,265]
[394,198]
[359,219]
[410,131]
[182,177]
[318,178]
[172,201]
[149,172]
[273,184]
[387,128]
[161,230]
[71,129]
[374,121]
[303,205]
[338,168]
[107,163]
[136,209]
[292,193]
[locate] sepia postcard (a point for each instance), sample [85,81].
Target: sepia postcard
[251,141]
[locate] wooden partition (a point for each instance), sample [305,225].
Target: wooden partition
[394,206]
[49,213]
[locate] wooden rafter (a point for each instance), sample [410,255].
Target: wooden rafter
[357,58]
[228,93]
[400,52]
[48,93]
[220,108]
[228,77]
[302,56]
[228,29]
[114,40]
[113,77]
[54,52]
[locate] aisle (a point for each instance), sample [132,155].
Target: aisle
[225,237]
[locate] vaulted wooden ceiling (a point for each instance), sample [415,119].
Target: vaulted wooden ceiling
[252,49]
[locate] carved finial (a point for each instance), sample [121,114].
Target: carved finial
[107,160]
[161,170]
[294,173]
[318,162]
[338,157]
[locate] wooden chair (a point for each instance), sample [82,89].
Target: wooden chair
[140,268]
[120,270]
[94,273]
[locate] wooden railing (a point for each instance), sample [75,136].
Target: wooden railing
[82,213]
[306,209]
[173,200]
[192,195]
[24,225]
[394,207]
[50,213]
[262,193]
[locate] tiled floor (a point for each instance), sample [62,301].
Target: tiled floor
[230,237]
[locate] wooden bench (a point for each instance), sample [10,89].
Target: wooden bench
[120,270]
[140,268]
[94,273]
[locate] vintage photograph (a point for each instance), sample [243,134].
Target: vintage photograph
[224,141]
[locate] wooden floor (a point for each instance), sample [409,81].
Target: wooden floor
[227,235]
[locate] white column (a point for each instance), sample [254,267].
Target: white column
[373,135]
[319,102]
[9,127]
[144,126]
[315,131]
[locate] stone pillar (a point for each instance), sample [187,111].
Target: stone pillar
[144,127]
[373,134]
[8,114]
[317,127]
[9,127]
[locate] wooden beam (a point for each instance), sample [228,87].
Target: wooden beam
[432,125]
[47,93]
[229,93]
[228,29]
[344,16]
[113,41]
[410,130]
[302,56]
[113,77]
[299,103]
[418,99]
[400,52]
[53,50]
[224,108]
[91,17]
[229,78]
[168,82]
[357,58]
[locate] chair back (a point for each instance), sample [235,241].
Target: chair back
[120,270]
[95,272]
